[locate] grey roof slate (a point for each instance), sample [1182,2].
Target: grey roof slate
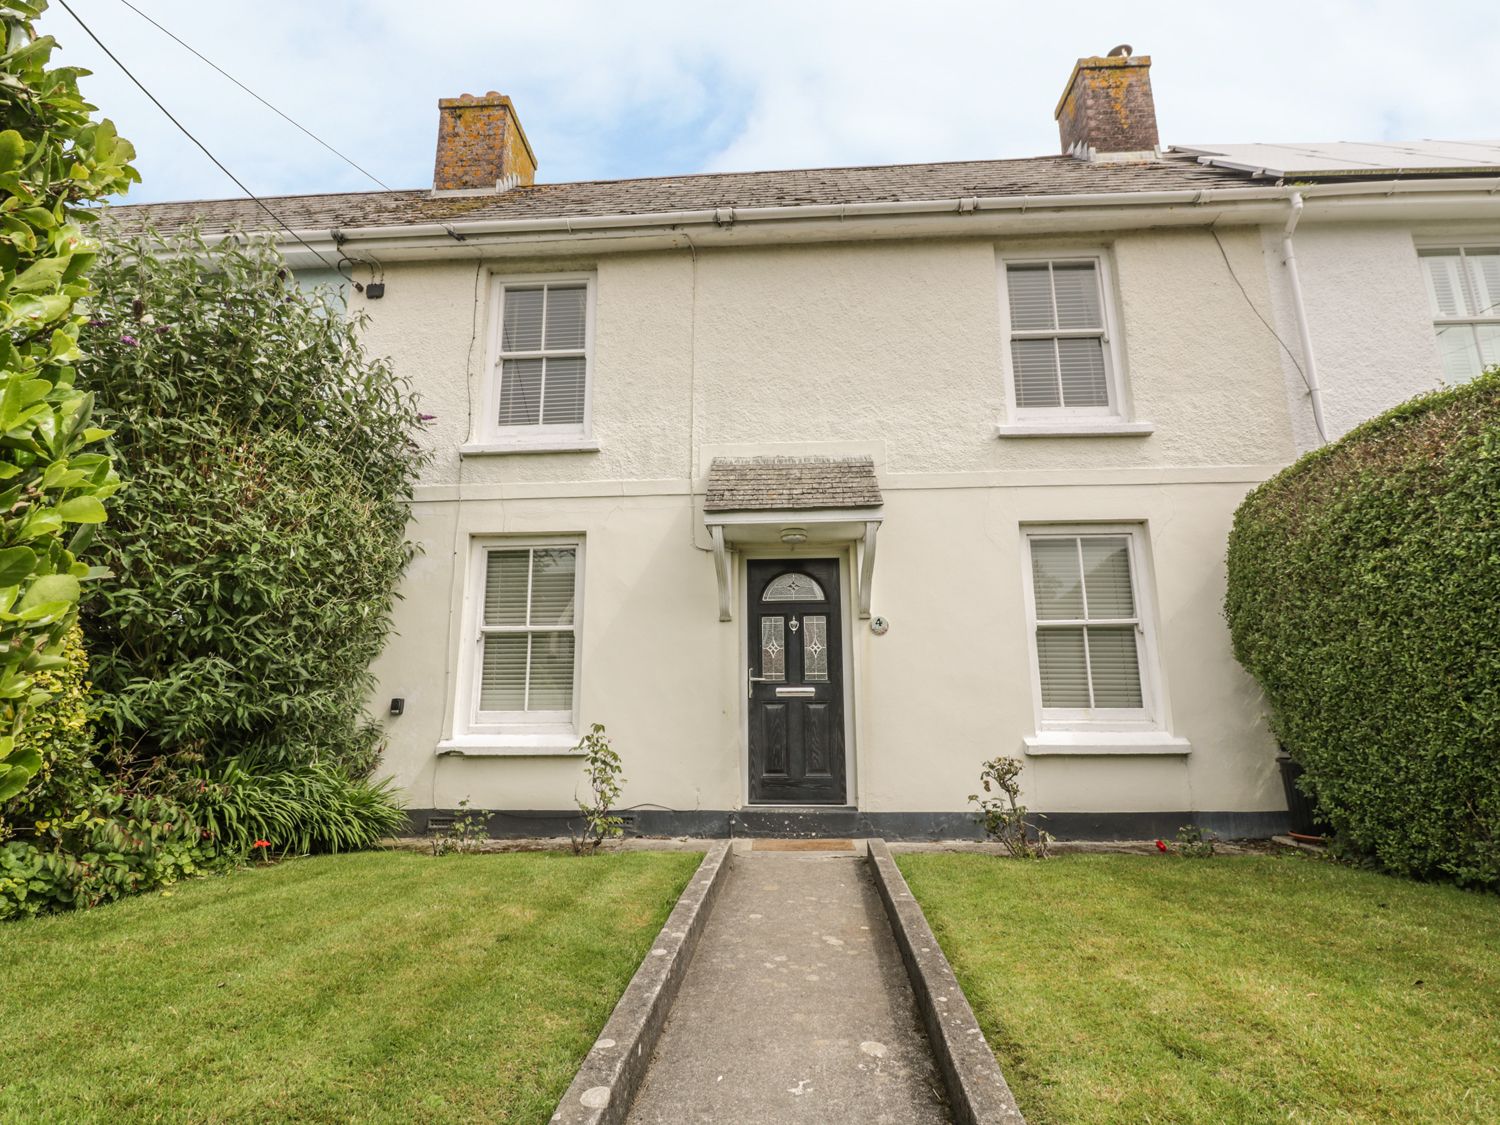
[1040,175]
[738,484]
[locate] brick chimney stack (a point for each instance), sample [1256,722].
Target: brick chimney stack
[1107,112]
[481,145]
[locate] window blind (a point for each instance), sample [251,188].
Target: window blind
[543,356]
[1463,289]
[1087,625]
[527,629]
[1057,335]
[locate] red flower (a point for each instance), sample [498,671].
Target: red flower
[1161,845]
[267,843]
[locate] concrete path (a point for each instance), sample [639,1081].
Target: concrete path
[796,1008]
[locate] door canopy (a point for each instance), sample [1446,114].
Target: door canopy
[792,501]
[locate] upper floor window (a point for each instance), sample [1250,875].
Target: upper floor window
[1463,287]
[543,357]
[1061,355]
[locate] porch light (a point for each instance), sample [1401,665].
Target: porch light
[791,536]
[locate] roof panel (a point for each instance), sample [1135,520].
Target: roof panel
[1336,158]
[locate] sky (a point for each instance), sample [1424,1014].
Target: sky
[608,90]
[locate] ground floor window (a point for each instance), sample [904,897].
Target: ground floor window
[526,667]
[1088,627]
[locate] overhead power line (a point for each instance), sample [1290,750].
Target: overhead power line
[280,113]
[186,133]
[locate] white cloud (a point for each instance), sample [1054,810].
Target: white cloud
[664,86]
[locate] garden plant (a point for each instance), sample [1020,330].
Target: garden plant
[1363,586]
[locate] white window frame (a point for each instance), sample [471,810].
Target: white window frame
[1467,246]
[490,436]
[1112,418]
[471,720]
[1150,715]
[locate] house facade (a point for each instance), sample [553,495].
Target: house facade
[819,488]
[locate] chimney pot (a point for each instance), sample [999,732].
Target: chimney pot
[1107,111]
[481,145]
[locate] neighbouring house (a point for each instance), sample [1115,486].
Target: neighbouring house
[819,487]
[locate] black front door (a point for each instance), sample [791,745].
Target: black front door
[796,681]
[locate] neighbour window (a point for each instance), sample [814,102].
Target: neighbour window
[543,360]
[527,634]
[1060,352]
[1463,287]
[1088,634]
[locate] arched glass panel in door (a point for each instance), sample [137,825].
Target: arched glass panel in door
[793,588]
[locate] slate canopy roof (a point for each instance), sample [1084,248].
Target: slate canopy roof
[745,484]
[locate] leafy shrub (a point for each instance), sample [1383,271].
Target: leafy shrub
[259,544]
[1363,590]
[601,769]
[314,807]
[467,833]
[1002,817]
[53,159]
[57,733]
[120,845]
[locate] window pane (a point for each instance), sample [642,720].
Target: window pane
[551,672]
[502,685]
[1106,576]
[1029,289]
[505,587]
[1076,285]
[1054,579]
[773,648]
[1445,287]
[1064,674]
[815,649]
[1035,363]
[565,387]
[793,588]
[1460,349]
[565,317]
[1117,673]
[552,581]
[521,328]
[521,392]
[1082,364]
[1489,344]
[1484,272]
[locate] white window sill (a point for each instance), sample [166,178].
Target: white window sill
[1102,743]
[560,744]
[502,448]
[1074,429]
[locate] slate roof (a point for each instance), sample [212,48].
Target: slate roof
[737,484]
[1040,175]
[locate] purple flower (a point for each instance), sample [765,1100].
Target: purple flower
[97,323]
[426,417]
[130,341]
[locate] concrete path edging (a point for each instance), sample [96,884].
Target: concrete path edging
[977,1092]
[611,1073]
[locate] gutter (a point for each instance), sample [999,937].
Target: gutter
[728,217]
[1294,278]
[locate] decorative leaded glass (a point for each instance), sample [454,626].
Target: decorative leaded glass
[773,648]
[793,588]
[815,649]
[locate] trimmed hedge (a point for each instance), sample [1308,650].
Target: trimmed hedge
[1364,596]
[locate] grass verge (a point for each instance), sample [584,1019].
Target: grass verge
[373,987]
[1239,989]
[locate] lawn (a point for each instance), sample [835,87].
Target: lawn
[1124,988]
[373,987]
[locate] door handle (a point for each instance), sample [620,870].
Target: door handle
[751,679]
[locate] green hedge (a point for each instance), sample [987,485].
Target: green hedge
[1364,596]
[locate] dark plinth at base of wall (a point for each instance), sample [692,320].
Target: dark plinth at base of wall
[845,823]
